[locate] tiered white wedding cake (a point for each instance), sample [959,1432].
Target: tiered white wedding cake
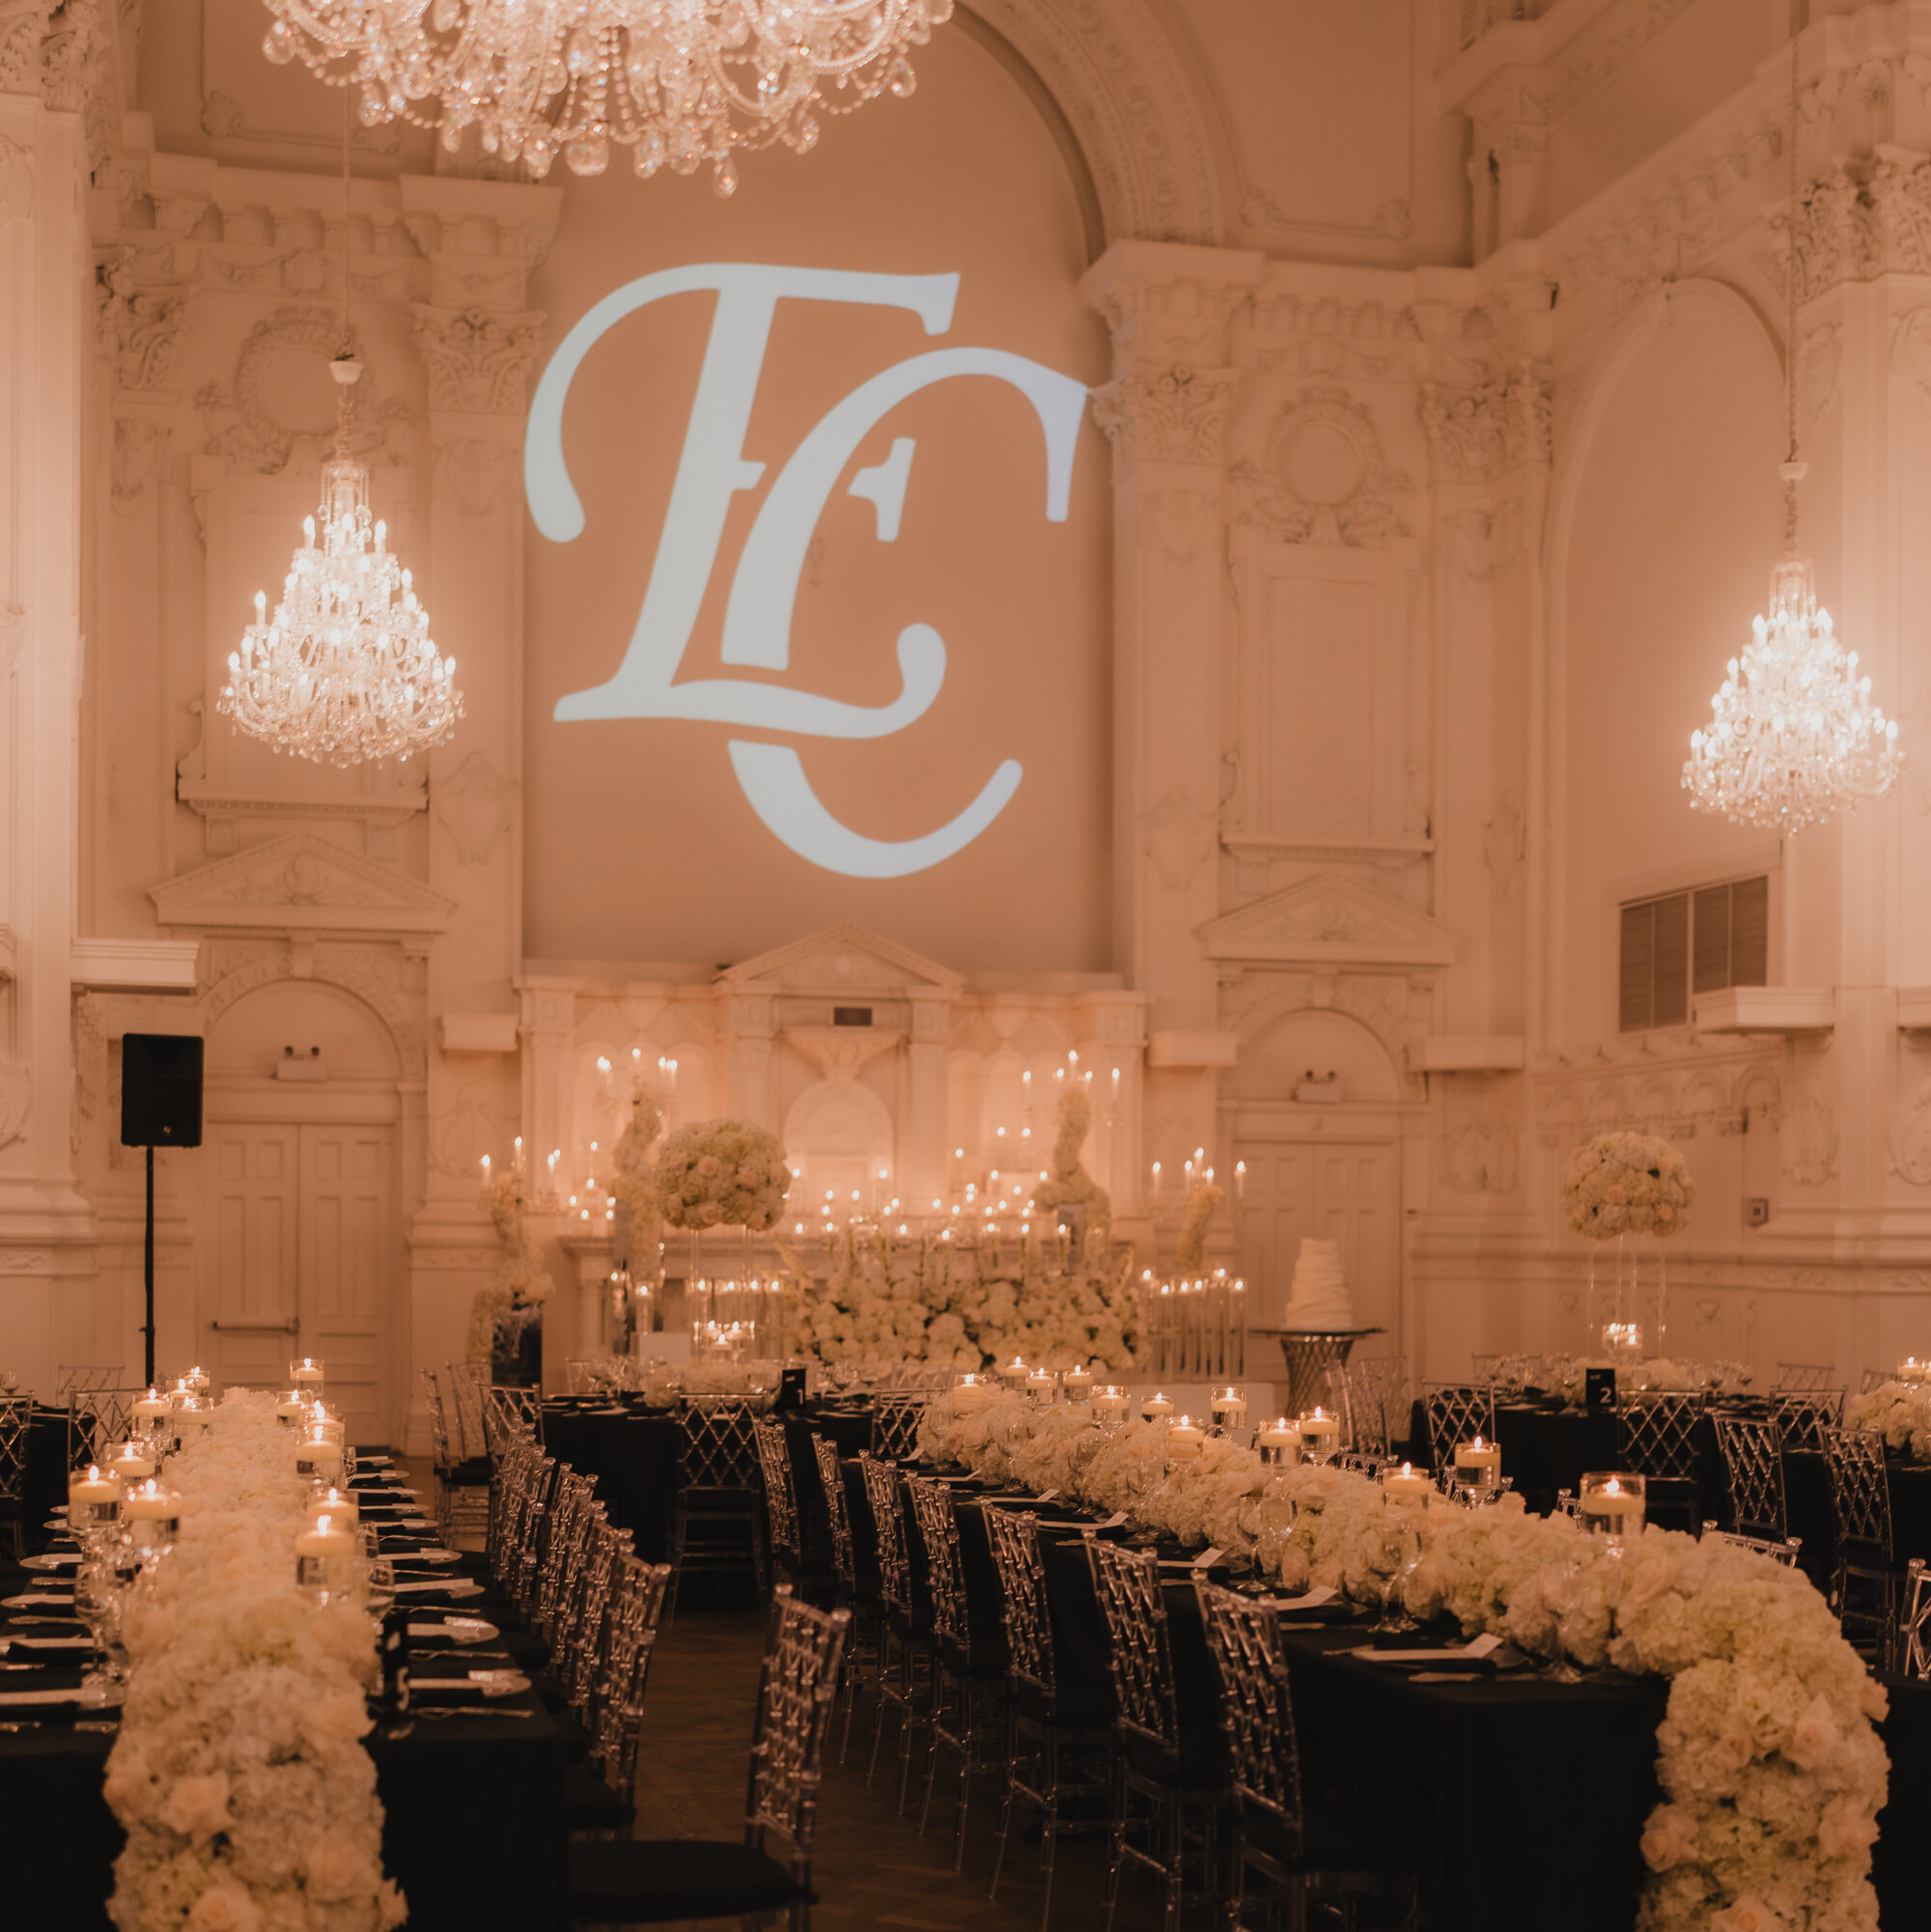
[1320,1297]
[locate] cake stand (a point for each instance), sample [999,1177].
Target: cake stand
[1311,1353]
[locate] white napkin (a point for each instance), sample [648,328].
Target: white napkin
[1468,1653]
[1319,1594]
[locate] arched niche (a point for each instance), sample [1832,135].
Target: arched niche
[838,1136]
[1313,1040]
[286,1019]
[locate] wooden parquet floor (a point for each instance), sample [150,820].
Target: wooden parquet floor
[873,1867]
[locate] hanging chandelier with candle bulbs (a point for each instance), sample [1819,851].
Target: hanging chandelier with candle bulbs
[678,82]
[1793,735]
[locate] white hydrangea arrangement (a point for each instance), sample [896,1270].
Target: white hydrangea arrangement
[1069,1185]
[1201,1208]
[1901,1412]
[521,1282]
[1627,1184]
[240,1775]
[1772,1773]
[722,1173]
[635,1183]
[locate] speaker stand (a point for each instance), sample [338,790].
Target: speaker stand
[148,1263]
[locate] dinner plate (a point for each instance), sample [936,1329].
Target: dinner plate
[53,1560]
[1475,1651]
[490,1683]
[442,1586]
[457,1629]
[46,1643]
[433,1556]
[76,1694]
[39,1600]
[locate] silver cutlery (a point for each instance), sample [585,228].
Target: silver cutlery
[470,1710]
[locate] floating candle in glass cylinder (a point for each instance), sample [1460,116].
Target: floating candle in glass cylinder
[331,1428]
[92,1502]
[149,1516]
[1478,1465]
[1077,1383]
[1110,1404]
[306,1374]
[1042,1385]
[970,1392]
[289,1408]
[132,1461]
[1015,1373]
[1184,1440]
[152,1407]
[1406,1484]
[1278,1442]
[1611,1504]
[326,1500]
[192,1417]
[1319,1434]
[1912,1369]
[325,1558]
[1229,1405]
[198,1380]
[1156,1406]
[316,1456]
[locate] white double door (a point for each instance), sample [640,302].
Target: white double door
[302,1259]
[1343,1191]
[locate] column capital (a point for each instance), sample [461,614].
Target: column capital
[1176,414]
[478,360]
[1479,435]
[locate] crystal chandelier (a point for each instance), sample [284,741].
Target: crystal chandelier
[1793,735]
[346,669]
[678,82]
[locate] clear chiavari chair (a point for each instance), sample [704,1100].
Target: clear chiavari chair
[466,1381]
[1863,1586]
[920,1378]
[16,1413]
[505,1408]
[780,1497]
[578,1640]
[632,1882]
[1048,1739]
[1656,1436]
[515,1470]
[895,1425]
[462,1485]
[97,1418]
[1914,1628]
[1753,1454]
[1802,1375]
[1804,1413]
[527,1533]
[972,1663]
[1455,1413]
[602,1796]
[1779,1550]
[1182,1786]
[844,1572]
[1378,1386]
[719,1496]
[70,1376]
[1871,1379]
[906,1667]
[568,1527]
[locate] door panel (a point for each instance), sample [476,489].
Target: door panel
[1345,1192]
[250,1289]
[348,1265]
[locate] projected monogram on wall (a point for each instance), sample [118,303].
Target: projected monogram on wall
[764,588]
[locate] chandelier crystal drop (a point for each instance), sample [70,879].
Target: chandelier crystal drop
[1793,735]
[346,671]
[678,82]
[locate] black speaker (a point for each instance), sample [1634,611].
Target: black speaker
[160,1090]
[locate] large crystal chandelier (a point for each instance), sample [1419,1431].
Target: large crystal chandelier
[1793,735]
[678,82]
[346,670]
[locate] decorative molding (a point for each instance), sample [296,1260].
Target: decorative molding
[301,883]
[138,455]
[17,1093]
[478,361]
[1910,1141]
[23,26]
[134,965]
[1177,414]
[1505,842]
[224,118]
[1362,509]
[1178,838]
[1178,525]
[1479,435]
[476,807]
[17,182]
[1869,215]
[139,326]
[1674,1088]
[1810,1141]
[1330,919]
[478,475]
[843,961]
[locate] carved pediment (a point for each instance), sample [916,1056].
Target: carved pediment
[844,962]
[301,884]
[1332,919]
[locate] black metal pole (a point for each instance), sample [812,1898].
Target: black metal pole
[149,1264]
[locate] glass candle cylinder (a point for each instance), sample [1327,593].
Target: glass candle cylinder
[317,1456]
[1184,1438]
[1611,1504]
[1157,1406]
[1229,1405]
[1478,1465]
[1076,1384]
[1406,1484]
[132,1461]
[93,1502]
[1042,1385]
[1110,1404]
[325,1559]
[150,1516]
[289,1408]
[971,1392]
[1278,1442]
[1319,1434]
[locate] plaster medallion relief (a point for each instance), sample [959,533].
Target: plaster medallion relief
[282,402]
[468,1127]
[475,805]
[1330,919]
[478,474]
[26,1261]
[1179,524]
[1323,479]
[1179,838]
[1810,1141]
[1392,220]
[1483,1155]
[305,273]
[478,361]
[1910,1137]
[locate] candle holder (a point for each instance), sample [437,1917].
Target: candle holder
[307,1375]
[318,1457]
[1478,1466]
[1278,1443]
[1043,1385]
[326,1562]
[1913,1370]
[149,1520]
[92,1506]
[289,1408]
[1228,1407]
[1612,1505]
[1111,1404]
[132,1462]
[1406,1485]
[971,1392]
[1077,1385]
[1157,1406]
[1319,1436]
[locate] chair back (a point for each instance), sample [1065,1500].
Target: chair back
[1779,1550]
[1244,1640]
[1914,1637]
[97,1418]
[616,1714]
[802,1654]
[16,1413]
[440,1448]
[1859,1487]
[1805,1375]
[718,1450]
[920,1378]
[70,1376]
[568,1527]
[1656,1429]
[505,1410]
[1456,1411]
[1753,1454]
[781,1492]
[1804,1413]
[1872,1377]
[466,1382]
[1014,1535]
[1127,1582]
[945,1571]
[837,1510]
[882,1491]
[895,1425]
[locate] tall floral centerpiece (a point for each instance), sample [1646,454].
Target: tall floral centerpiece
[505,1315]
[725,1173]
[1620,1184]
[1068,1190]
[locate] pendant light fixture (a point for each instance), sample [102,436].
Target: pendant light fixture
[346,671]
[1793,735]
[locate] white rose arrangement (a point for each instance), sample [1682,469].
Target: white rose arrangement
[1069,1185]
[1201,1208]
[1901,1412]
[722,1173]
[239,1773]
[635,1183]
[1772,1773]
[520,1280]
[1627,1184]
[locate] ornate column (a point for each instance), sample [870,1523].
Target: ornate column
[478,344]
[1167,412]
[45,269]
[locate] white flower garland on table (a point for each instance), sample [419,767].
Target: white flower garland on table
[1772,1773]
[1901,1412]
[239,1773]
[1627,1184]
[889,1300]
[722,1173]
